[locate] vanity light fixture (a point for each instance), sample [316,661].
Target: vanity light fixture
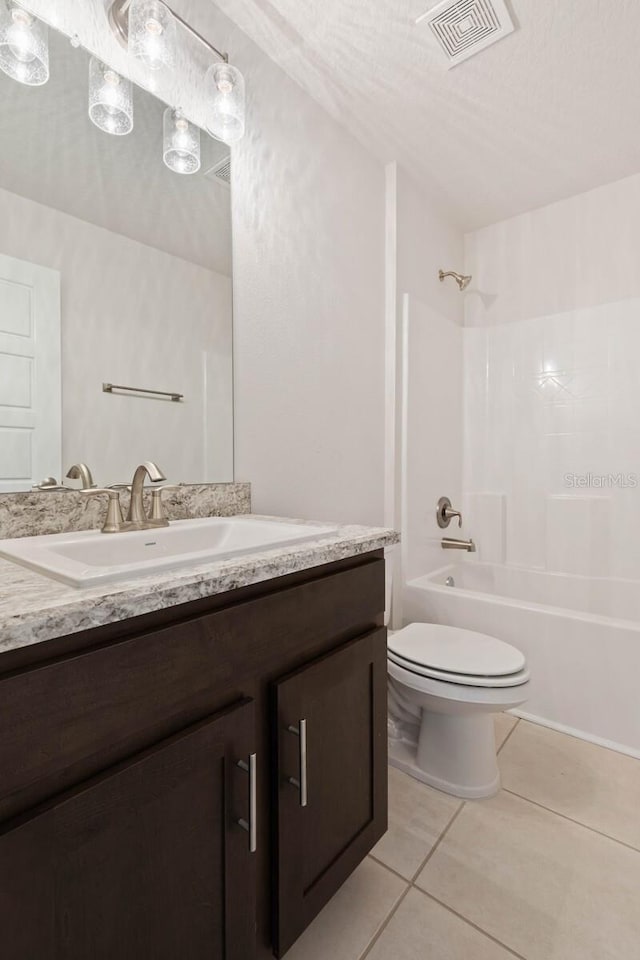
[225,89]
[181,143]
[110,99]
[144,27]
[152,34]
[24,45]
[148,30]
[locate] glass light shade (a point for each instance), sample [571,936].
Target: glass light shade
[152,34]
[226,108]
[110,99]
[181,143]
[24,46]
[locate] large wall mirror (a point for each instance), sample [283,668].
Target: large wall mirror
[114,269]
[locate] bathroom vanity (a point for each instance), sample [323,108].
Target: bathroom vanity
[195,781]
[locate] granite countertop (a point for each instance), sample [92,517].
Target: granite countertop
[34,608]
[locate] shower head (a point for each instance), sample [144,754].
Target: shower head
[462,281]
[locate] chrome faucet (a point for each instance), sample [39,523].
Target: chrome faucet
[136,512]
[80,471]
[450,543]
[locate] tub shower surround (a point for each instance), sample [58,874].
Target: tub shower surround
[550,423]
[34,609]
[551,382]
[44,512]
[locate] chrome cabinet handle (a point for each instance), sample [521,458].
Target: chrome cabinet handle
[301,732]
[251,826]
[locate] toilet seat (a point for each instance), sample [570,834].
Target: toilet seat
[459,695]
[457,656]
[465,680]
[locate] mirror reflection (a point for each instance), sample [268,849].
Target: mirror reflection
[115,269]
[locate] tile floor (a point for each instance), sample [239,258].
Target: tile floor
[549,869]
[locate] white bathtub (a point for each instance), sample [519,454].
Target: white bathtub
[580,635]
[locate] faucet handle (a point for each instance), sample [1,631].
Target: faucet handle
[49,483]
[114,520]
[158,514]
[445,513]
[450,514]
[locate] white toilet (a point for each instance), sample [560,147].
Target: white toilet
[445,684]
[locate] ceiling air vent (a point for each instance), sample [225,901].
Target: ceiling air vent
[465,27]
[221,170]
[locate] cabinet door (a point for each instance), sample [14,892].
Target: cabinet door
[146,861]
[331,733]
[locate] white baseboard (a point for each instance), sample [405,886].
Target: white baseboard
[579,734]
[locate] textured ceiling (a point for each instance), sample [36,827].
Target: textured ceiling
[547,112]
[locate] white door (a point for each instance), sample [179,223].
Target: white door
[30,381]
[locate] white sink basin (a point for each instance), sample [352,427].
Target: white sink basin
[91,557]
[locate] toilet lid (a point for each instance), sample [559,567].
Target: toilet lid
[452,650]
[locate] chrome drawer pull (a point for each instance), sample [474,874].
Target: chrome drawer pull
[252,825]
[301,784]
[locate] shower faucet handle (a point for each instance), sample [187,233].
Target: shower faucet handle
[445,513]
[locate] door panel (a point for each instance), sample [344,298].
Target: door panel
[139,862]
[30,392]
[342,700]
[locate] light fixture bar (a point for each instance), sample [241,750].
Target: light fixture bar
[118,18]
[198,36]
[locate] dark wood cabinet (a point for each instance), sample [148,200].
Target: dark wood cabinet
[125,770]
[145,860]
[330,730]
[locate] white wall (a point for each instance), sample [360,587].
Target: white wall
[135,315]
[430,314]
[552,388]
[428,240]
[308,237]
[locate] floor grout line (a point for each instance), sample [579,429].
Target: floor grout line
[409,884]
[412,883]
[381,863]
[367,950]
[508,736]
[578,823]
[424,862]
[466,920]
[437,843]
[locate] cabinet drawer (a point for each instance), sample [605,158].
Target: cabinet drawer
[64,721]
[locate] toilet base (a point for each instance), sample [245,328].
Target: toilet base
[454,753]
